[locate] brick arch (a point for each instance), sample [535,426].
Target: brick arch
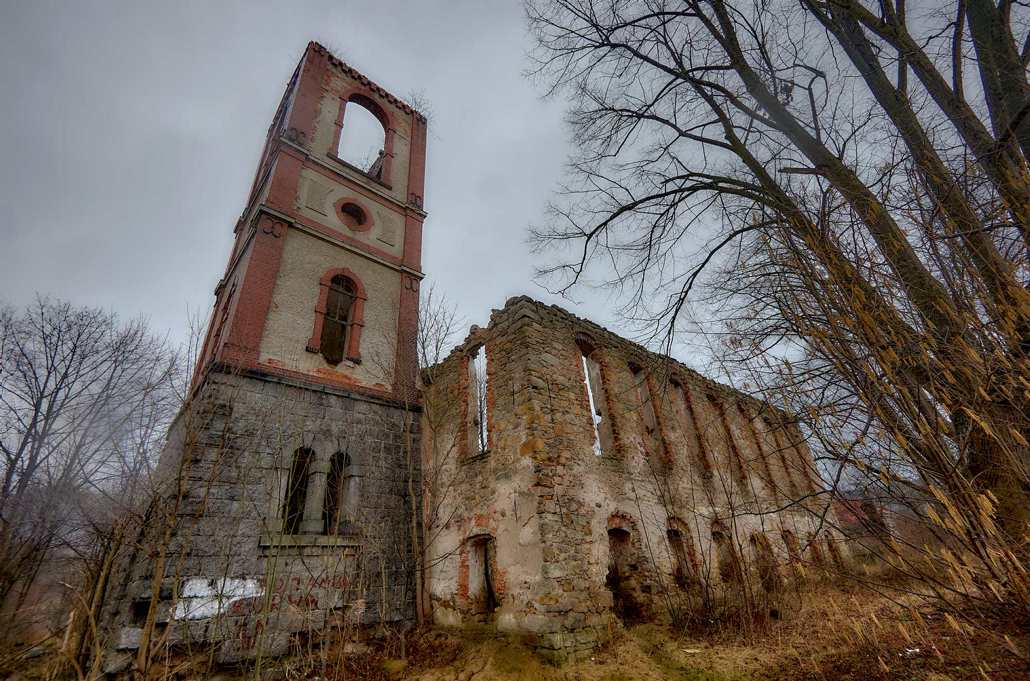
[353,350]
[586,343]
[368,220]
[622,522]
[367,99]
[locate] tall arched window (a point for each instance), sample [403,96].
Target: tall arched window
[685,563]
[339,317]
[790,540]
[340,494]
[476,397]
[768,571]
[339,311]
[364,140]
[297,490]
[646,410]
[597,400]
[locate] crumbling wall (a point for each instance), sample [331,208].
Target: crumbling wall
[231,577]
[584,539]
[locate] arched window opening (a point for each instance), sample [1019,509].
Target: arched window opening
[817,553]
[362,137]
[477,402]
[336,327]
[340,495]
[765,472]
[834,550]
[596,400]
[481,561]
[726,557]
[297,490]
[768,572]
[793,551]
[685,567]
[648,417]
[704,463]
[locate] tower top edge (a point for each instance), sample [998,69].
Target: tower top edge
[318,48]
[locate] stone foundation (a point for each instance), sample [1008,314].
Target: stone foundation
[231,576]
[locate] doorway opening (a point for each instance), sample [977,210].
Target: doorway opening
[620,580]
[481,561]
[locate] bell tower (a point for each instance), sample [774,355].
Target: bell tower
[322,284]
[290,478]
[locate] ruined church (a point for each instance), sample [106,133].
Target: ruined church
[548,478]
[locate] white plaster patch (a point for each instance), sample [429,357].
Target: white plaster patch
[202,598]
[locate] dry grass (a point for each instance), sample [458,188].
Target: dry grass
[846,635]
[837,635]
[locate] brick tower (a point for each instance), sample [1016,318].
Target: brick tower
[289,479]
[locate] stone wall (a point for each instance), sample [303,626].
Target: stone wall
[569,527]
[231,576]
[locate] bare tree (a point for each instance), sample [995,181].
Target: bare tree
[438,332]
[84,402]
[869,229]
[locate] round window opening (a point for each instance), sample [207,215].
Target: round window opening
[353,216]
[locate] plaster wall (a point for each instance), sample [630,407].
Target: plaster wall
[318,197]
[292,313]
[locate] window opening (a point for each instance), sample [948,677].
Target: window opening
[338,511]
[362,139]
[648,418]
[595,411]
[768,573]
[684,560]
[817,553]
[297,491]
[352,215]
[701,451]
[339,312]
[725,556]
[793,551]
[620,578]
[834,551]
[594,382]
[477,393]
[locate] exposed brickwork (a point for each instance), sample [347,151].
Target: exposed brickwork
[559,514]
[298,188]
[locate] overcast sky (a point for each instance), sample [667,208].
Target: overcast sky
[131,131]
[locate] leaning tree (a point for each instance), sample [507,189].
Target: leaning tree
[845,183]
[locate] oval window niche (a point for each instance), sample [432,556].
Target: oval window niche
[353,216]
